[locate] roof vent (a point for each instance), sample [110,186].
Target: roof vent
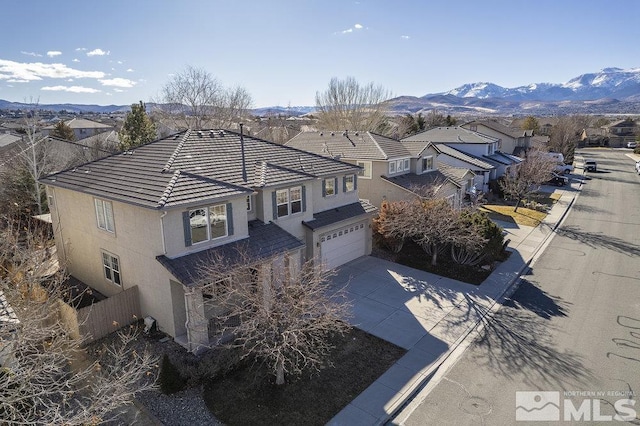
[221,132]
[321,134]
[332,134]
[199,134]
[212,133]
[356,133]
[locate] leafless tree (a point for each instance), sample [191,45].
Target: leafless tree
[527,177]
[565,135]
[194,98]
[45,377]
[281,315]
[347,105]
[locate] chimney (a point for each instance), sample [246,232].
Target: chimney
[244,166]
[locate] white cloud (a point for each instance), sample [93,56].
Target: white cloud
[118,90]
[405,37]
[350,30]
[37,55]
[130,70]
[119,62]
[73,89]
[118,82]
[53,53]
[81,49]
[70,80]
[14,80]
[38,71]
[98,52]
[75,60]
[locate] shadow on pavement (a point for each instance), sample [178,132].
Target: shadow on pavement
[599,240]
[516,341]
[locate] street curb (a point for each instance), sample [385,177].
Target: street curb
[510,289]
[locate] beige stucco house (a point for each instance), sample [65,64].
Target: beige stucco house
[510,140]
[153,216]
[82,128]
[390,169]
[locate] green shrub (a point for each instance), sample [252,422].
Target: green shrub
[489,230]
[170,379]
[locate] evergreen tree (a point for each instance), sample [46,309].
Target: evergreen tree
[63,131]
[137,129]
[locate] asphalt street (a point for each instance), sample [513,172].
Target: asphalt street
[570,335]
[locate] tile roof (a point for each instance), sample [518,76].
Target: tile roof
[415,147]
[503,158]
[463,156]
[501,128]
[265,241]
[456,174]
[195,166]
[81,123]
[351,145]
[339,214]
[8,139]
[453,134]
[412,181]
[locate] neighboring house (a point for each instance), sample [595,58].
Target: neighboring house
[82,128]
[389,170]
[592,136]
[474,144]
[154,216]
[510,140]
[484,170]
[620,132]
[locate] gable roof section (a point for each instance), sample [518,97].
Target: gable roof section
[456,174]
[501,128]
[463,156]
[192,167]
[81,123]
[455,134]
[412,181]
[265,241]
[351,145]
[502,158]
[339,214]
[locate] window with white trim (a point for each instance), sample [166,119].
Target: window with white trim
[392,167]
[399,166]
[111,268]
[366,169]
[329,187]
[427,163]
[208,223]
[406,164]
[349,183]
[104,215]
[289,201]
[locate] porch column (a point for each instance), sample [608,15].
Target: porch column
[197,324]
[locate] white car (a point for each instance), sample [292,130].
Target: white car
[632,145]
[638,167]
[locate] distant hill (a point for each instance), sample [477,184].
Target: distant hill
[610,90]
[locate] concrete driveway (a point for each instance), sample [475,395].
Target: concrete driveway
[409,307]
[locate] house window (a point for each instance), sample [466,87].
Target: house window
[349,183]
[111,267]
[406,164]
[366,169]
[399,167]
[248,203]
[104,215]
[289,201]
[329,187]
[208,223]
[427,163]
[473,128]
[392,167]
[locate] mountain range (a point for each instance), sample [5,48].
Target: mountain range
[608,91]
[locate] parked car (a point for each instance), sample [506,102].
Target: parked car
[563,169]
[590,166]
[638,167]
[557,180]
[632,145]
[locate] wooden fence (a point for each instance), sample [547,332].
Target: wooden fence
[104,317]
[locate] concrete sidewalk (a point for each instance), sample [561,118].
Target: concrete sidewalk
[429,315]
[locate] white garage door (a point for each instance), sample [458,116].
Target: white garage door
[343,245]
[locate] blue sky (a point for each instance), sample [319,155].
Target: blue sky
[284,51]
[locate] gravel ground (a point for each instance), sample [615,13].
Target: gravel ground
[183,408]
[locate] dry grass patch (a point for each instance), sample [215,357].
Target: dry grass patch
[523,216]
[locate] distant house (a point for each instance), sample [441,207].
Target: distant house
[390,169]
[510,140]
[82,128]
[620,132]
[462,147]
[153,218]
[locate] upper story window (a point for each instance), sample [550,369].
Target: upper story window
[406,164]
[329,187]
[111,268]
[349,183]
[427,163]
[289,201]
[473,128]
[104,215]
[208,223]
[392,167]
[366,169]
